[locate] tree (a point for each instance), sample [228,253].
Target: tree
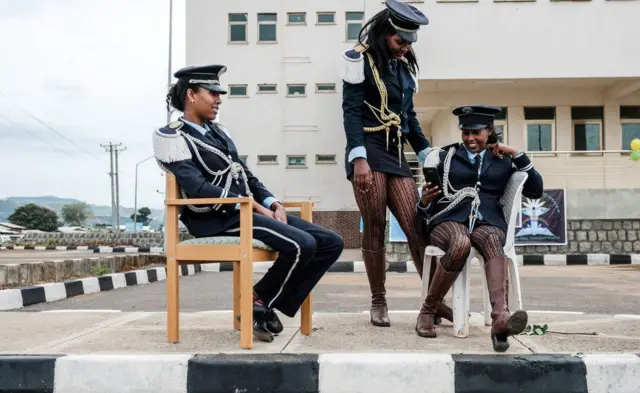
[76,214]
[32,216]
[143,216]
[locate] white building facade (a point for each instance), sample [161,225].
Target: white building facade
[566,72]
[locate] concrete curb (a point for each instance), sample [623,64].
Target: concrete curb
[409,267]
[11,299]
[102,249]
[47,248]
[323,373]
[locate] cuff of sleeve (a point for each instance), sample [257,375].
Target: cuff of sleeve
[424,210]
[269,201]
[522,162]
[357,152]
[423,155]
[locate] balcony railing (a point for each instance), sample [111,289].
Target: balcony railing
[575,169]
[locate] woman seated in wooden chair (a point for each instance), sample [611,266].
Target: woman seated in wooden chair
[467,212]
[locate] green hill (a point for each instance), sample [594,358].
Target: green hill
[101,213]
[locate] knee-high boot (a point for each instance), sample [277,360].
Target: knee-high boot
[503,324]
[442,282]
[444,310]
[376,266]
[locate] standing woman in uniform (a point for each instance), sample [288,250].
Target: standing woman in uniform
[379,80]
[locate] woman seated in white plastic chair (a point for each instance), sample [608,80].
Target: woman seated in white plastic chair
[467,212]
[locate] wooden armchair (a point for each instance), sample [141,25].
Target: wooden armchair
[242,251]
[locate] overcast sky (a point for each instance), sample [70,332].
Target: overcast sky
[94,72]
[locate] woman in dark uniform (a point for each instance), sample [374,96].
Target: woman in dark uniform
[379,118]
[467,212]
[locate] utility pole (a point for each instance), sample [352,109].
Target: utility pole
[115,195]
[117,152]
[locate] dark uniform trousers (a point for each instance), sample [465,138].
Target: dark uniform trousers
[306,251]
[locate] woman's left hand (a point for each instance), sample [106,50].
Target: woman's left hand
[499,149]
[280,213]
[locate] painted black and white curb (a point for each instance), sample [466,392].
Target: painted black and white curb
[324,373]
[47,248]
[96,249]
[11,299]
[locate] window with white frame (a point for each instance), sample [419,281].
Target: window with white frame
[243,159]
[296,161]
[238,90]
[587,127]
[326,18]
[267,88]
[354,23]
[325,87]
[297,18]
[238,28]
[296,90]
[500,126]
[630,122]
[268,159]
[540,128]
[267,27]
[326,159]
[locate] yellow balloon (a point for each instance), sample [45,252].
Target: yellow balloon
[635,144]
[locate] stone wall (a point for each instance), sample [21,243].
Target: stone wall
[345,223]
[585,237]
[594,237]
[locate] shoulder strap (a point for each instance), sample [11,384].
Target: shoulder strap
[352,68]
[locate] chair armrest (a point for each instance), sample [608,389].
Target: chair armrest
[300,204]
[209,201]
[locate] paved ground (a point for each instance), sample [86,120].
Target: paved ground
[212,332]
[31,256]
[590,289]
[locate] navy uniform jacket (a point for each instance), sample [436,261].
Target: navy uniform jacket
[195,181]
[494,175]
[359,86]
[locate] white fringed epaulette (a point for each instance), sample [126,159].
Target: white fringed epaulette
[352,67]
[169,145]
[433,158]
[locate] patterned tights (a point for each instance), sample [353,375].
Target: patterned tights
[401,196]
[454,239]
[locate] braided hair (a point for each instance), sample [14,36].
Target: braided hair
[177,94]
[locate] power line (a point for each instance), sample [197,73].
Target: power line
[35,135]
[51,128]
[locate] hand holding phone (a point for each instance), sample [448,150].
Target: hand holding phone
[432,187]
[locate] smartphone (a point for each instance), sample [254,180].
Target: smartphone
[432,176]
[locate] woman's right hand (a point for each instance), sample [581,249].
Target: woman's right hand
[363,175]
[429,194]
[258,208]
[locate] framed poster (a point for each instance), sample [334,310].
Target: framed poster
[543,222]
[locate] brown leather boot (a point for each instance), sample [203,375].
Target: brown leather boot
[442,282]
[443,311]
[504,324]
[376,266]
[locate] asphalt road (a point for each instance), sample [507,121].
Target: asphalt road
[591,289]
[31,256]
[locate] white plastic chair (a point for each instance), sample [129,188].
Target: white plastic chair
[511,201]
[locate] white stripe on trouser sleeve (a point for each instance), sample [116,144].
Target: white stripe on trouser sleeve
[293,266]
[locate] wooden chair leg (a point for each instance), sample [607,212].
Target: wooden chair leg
[306,324]
[246,304]
[173,300]
[236,294]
